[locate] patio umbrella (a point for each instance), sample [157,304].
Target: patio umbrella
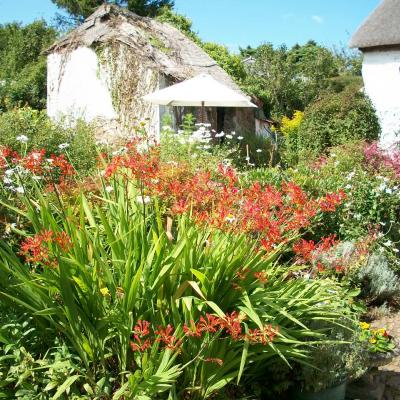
[200,91]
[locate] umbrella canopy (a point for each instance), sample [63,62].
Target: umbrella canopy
[201,91]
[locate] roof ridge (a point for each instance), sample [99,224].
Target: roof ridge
[161,45]
[381,27]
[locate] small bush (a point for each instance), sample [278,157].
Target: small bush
[379,283]
[41,132]
[335,119]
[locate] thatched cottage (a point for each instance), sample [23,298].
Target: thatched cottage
[379,40]
[102,69]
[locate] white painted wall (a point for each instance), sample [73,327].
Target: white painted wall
[77,87]
[80,87]
[381,73]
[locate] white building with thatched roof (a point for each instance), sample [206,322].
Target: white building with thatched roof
[379,40]
[102,69]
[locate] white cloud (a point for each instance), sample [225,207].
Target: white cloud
[318,19]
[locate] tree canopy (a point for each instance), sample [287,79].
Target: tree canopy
[22,67]
[81,9]
[289,79]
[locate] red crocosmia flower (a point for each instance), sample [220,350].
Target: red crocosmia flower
[64,241]
[140,331]
[192,330]
[266,244]
[261,276]
[295,193]
[142,328]
[36,249]
[320,267]
[232,323]
[218,361]
[60,162]
[242,274]
[331,201]
[140,345]
[327,243]
[33,161]
[263,336]
[339,268]
[166,336]
[305,249]
[228,173]
[180,207]
[209,324]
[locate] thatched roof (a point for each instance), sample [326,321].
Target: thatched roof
[382,27]
[158,45]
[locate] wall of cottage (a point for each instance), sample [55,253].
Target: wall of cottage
[103,86]
[381,73]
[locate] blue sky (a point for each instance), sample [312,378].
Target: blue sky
[240,22]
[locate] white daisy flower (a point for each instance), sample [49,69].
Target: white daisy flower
[63,146]
[143,199]
[22,138]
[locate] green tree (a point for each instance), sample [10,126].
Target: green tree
[334,119]
[22,65]
[272,78]
[81,9]
[231,63]
[179,21]
[247,51]
[291,79]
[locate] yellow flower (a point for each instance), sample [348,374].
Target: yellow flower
[372,340]
[381,331]
[290,125]
[104,291]
[364,325]
[230,218]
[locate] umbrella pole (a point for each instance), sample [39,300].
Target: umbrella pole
[203,113]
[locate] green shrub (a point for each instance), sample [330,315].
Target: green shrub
[333,120]
[379,283]
[22,64]
[41,133]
